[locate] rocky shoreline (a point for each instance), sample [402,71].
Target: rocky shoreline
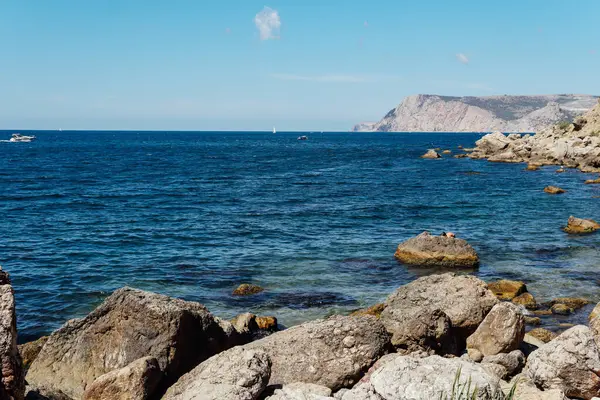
[572,145]
[426,338]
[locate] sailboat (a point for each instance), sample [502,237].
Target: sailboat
[274,131]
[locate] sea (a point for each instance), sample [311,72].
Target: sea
[314,222]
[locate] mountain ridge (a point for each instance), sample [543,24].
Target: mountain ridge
[507,113]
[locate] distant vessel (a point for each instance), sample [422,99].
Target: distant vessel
[302,137]
[274,131]
[17,137]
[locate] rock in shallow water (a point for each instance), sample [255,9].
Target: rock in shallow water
[554,190]
[579,225]
[507,290]
[128,325]
[247,289]
[442,251]
[431,154]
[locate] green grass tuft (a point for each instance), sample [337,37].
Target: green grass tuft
[464,391]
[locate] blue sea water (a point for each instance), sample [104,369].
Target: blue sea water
[315,222]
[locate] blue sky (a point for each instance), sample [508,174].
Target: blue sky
[316,64]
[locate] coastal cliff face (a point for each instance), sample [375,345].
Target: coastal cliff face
[432,113]
[575,145]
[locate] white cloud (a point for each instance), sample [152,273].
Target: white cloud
[335,78]
[268,23]
[462,58]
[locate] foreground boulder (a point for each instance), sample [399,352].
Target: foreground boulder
[129,325]
[512,362]
[463,298]
[579,225]
[433,377]
[301,391]
[501,331]
[333,352]
[571,363]
[12,382]
[136,381]
[442,251]
[236,374]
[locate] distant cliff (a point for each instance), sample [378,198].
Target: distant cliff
[432,113]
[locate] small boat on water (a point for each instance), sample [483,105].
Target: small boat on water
[274,131]
[17,137]
[302,137]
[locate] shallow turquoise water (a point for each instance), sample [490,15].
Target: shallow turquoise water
[315,222]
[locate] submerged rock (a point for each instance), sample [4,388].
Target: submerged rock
[579,225]
[128,325]
[431,154]
[532,167]
[561,309]
[542,334]
[331,352]
[247,289]
[442,251]
[570,363]
[463,298]
[12,382]
[554,190]
[507,290]
[501,331]
[572,302]
[526,300]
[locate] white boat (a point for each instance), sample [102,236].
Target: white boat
[274,131]
[303,137]
[17,137]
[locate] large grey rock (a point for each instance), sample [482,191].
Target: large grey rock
[333,352]
[440,251]
[129,325]
[463,298]
[301,391]
[12,382]
[235,374]
[513,362]
[571,363]
[136,381]
[501,331]
[427,378]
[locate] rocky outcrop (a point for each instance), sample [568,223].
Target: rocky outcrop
[236,374]
[432,113]
[575,145]
[129,325]
[570,363]
[332,352]
[407,377]
[442,251]
[136,381]
[580,225]
[463,298]
[501,331]
[12,382]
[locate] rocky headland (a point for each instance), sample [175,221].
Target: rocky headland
[572,145]
[432,113]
